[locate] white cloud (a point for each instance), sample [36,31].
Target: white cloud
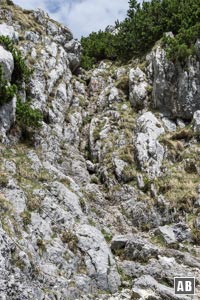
[81,16]
[92,15]
[32,4]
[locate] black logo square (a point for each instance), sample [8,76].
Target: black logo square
[184,285]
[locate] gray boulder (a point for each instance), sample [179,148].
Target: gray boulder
[167,234]
[98,258]
[149,152]
[140,249]
[138,87]
[119,242]
[175,233]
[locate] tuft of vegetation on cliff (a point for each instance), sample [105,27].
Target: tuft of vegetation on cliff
[26,116]
[7,91]
[145,24]
[21,71]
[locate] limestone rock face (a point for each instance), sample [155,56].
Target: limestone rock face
[138,88]
[149,151]
[135,247]
[9,31]
[7,110]
[7,117]
[175,87]
[7,63]
[174,234]
[98,259]
[73,48]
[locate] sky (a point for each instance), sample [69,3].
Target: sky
[81,16]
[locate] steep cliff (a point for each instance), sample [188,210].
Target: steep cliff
[101,201]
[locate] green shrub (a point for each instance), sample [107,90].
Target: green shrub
[6,42]
[182,45]
[147,22]
[27,116]
[21,71]
[7,90]
[98,46]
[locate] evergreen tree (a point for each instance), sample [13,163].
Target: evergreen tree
[145,24]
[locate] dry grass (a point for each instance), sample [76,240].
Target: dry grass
[180,182]
[25,19]
[123,84]
[179,187]
[126,154]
